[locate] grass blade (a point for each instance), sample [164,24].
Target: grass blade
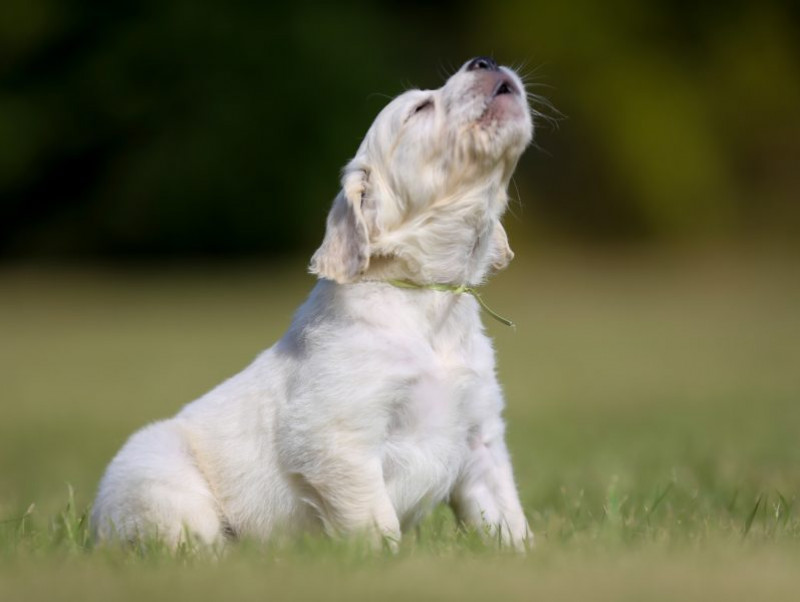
[784,508]
[751,517]
[660,498]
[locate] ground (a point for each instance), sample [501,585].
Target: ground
[653,409]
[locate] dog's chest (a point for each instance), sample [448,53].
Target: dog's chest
[427,440]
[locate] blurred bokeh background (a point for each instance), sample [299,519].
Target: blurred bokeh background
[140,129]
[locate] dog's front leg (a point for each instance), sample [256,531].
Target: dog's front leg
[347,491]
[485,496]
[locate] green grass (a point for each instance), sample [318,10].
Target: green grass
[653,408]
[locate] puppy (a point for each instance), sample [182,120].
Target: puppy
[381,399]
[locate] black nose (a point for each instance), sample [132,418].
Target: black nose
[482,62]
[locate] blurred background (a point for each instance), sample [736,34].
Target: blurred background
[166,168]
[144,129]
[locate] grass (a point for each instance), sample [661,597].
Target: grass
[653,418]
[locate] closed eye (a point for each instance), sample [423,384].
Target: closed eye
[423,106]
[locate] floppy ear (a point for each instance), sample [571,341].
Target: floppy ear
[501,253]
[344,253]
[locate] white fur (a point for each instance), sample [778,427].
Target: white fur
[379,402]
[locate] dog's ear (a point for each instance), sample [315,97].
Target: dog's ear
[501,252]
[344,253]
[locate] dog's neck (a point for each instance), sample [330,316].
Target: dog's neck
[451,242]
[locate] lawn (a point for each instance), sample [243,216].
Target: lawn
[653,408]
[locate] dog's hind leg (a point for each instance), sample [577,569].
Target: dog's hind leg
[153,488]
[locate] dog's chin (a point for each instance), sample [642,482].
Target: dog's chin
[500,128]
[504,110]
[501,133]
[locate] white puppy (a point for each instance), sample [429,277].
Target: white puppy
[381,400]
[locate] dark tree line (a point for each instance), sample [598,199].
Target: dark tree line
[186,128]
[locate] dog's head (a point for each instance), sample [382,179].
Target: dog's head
[424,194]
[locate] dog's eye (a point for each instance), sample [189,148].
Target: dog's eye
[423,106]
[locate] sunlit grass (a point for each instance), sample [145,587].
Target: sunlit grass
[653,413]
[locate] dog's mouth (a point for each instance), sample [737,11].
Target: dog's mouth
[503,91]
[504,86]
[501,102]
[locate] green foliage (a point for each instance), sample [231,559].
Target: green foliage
[179,128]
